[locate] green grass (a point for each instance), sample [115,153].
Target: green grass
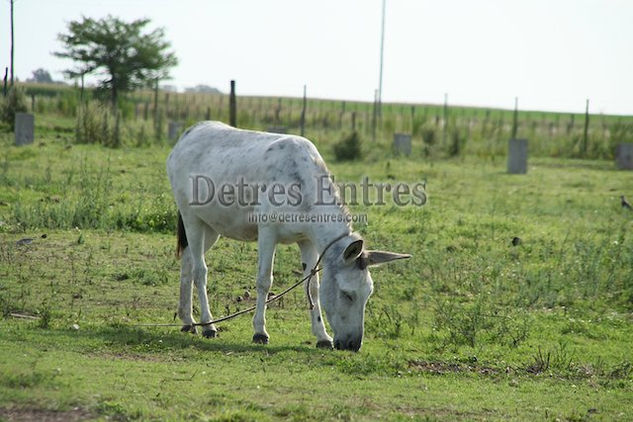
[471,327]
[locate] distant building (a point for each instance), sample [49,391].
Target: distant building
[169,88]
[203,89]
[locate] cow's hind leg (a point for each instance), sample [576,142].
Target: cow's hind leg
[185,311]
[200,238]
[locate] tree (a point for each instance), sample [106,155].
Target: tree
[128,57]
[41,76]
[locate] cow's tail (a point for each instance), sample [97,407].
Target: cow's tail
[182,237]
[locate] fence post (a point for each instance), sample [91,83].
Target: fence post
[374,116]
[303,111]
[232,106]
[24,128]
[624,156]
[445,128]
[517,156]
[402,143]
[584,137]
[4,82]
[117,128]
[174,130]
[156,104]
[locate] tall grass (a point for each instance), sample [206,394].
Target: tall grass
[467,130]
[85,198]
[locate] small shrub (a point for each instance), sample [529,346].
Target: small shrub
[348,148]
[96,125]
[92,125]
[14,102]
[45,316]
[457,143]
[428,135]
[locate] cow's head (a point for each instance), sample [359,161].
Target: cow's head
[346,287]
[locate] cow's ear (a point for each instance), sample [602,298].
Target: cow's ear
[353,251]
[382,257]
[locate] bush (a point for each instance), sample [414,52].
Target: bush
[457,143]
[96,125]
[14,102]
[348,148]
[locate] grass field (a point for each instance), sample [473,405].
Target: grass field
[440,130]
[471,328]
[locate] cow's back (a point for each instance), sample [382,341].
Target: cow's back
[229,156]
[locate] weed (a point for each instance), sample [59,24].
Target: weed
[27,379]
[559,359]
[14,102]
[390,321]
[348,148]
[540,362]
[45,315]
[463,321]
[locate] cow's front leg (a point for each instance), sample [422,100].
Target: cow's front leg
[309,257]
[266,245]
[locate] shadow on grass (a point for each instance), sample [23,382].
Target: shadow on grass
[155,340]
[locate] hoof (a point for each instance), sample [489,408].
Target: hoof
[189,329]
[325,344]
[209,333]
[260,338]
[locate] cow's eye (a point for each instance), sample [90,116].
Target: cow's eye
[348,296]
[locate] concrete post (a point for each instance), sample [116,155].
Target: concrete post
[624,156]
[402,143]
[174,130]
[24,128]
[517,156]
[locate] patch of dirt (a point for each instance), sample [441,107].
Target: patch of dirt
[131,356]
[441,368]
[27,414]
[444,413]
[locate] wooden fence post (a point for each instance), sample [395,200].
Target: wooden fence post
[232,106]
[303,111]
[156,104]
[445,127]
[584,137]
[374,116]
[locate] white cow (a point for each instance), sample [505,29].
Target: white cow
[223,178]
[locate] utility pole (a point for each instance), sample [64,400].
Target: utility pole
[382,47]
[515,118]
[11,2]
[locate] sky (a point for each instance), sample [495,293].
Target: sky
[551,54]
